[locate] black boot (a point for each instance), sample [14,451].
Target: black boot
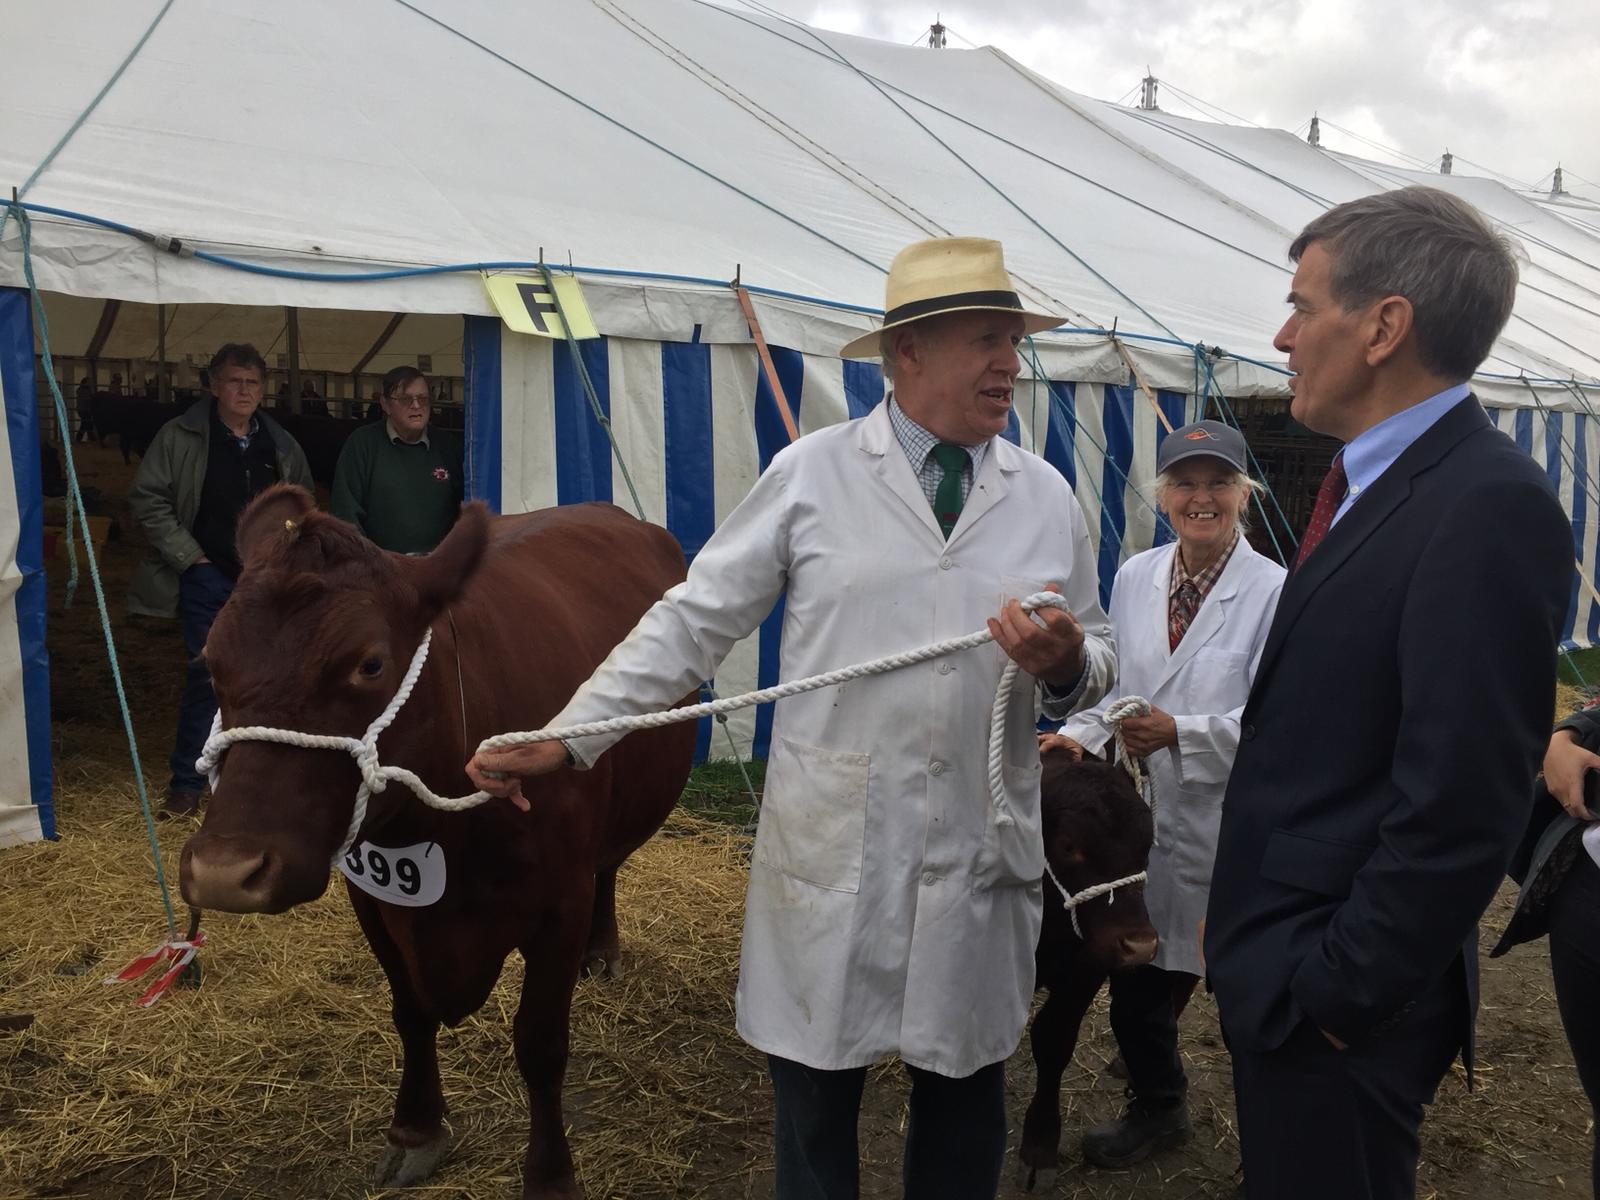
[1138,1133]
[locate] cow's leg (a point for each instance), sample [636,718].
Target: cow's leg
[540,1032]
[1053,1038]
[417,1137]
[603,956]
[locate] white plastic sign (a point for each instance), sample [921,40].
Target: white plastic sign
[410,876]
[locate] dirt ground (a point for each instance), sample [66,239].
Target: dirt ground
[275,1076]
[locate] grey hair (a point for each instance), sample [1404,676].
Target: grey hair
[886,351]
[1438,252]
[923,329]
[1252,487]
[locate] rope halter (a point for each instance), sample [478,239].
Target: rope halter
[375,777]
[1116,712]
[1093,892]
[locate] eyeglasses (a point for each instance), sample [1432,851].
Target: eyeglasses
[408,401]
[1188,487]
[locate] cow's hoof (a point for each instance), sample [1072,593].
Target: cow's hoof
[1035,1179]
[402,1166]
[605,965]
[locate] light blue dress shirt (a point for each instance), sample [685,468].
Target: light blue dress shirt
[1373,451]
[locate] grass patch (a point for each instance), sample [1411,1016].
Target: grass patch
[1587,664]
[717,791]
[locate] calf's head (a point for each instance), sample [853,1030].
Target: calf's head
[316,638]
[1098,829]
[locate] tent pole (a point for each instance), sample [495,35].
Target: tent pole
[293,328]
[163,382]
[771,372]
[1144,387]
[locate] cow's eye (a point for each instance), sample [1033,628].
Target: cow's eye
[372,667]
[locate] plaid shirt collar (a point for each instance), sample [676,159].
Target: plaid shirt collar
[1207,578]
[918,443]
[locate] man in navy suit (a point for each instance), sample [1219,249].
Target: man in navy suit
[1399,712]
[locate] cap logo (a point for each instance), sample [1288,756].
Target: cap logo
[1199,435]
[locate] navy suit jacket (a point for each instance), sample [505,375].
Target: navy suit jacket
[1399,713]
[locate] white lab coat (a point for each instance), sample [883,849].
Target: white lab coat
[887,912]
[1203,685]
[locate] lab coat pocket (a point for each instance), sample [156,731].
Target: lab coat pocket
[1012,853]
[814,815]
[1190,823]
[1216,680]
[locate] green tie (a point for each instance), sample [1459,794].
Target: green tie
[947,499]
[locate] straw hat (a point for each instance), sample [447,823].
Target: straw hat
[944,275]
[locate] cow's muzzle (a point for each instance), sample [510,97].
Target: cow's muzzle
[231,874]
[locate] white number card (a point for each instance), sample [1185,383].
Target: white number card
[410,876]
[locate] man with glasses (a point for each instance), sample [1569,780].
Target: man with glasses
[201,470]
[399,481]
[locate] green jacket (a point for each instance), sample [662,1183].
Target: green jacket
[166,495]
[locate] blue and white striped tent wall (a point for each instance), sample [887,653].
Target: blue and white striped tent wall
[695,424]
[25,773]
[1567,446]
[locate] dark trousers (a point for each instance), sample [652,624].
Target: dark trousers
[955,1137]
[1316,1123]
[1575,965]
[1145,1003]
[202,591]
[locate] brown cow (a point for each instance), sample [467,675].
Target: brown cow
[1097,829]
[316,637]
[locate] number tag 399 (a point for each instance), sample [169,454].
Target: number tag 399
[410,876]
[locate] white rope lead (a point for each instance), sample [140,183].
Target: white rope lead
[375,777]
[1116,712]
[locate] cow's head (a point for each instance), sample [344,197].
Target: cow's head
[316,638]
[1097,829]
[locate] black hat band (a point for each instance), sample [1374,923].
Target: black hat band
[939,304]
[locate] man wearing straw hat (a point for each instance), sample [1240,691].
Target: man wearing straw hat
[893,905]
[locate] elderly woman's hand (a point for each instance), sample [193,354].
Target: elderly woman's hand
[1143,736]
[1060,741]
[1566,762]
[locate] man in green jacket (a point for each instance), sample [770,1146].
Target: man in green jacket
[199,473]
[398,480]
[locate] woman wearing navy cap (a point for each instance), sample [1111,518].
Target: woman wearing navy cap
[1190,618]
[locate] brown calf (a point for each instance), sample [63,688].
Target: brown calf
[1097,828]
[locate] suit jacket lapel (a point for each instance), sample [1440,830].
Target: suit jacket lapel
[1387,493]
[894,468]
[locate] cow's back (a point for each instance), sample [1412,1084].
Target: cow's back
[557,589]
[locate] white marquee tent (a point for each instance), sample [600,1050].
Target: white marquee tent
[657,148]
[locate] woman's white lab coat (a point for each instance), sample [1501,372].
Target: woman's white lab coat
[1203,685]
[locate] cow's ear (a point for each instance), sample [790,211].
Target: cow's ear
[275,513]
[440,576]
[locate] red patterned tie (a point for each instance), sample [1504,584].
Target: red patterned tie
[1329,496]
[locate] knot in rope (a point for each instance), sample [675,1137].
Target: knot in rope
[375,777]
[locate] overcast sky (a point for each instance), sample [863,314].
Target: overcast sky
[1513,85]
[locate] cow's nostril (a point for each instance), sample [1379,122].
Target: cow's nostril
[229,881]
[1137,949]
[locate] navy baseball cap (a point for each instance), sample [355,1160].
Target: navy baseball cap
[1211,438]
